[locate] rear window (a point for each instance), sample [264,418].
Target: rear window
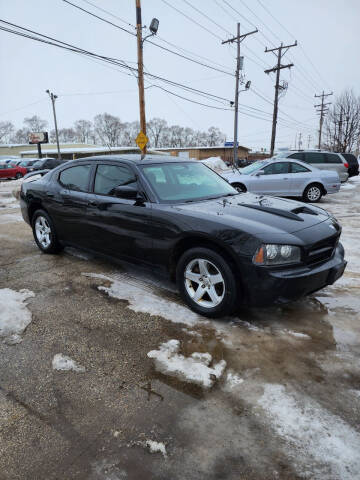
[333,158]
[298,156]
[314,157]
[76,178]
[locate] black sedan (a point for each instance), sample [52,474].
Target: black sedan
[222,247]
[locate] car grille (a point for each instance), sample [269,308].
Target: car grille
[321,251]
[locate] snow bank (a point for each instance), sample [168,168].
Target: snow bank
[323,445]
[156,447]
[215,163]
[14,314]
[142,298]
[193,369]
[65,363]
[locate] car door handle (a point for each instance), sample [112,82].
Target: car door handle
[50,194]
[285,178]
[93,204]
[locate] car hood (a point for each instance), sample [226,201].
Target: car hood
[257,213]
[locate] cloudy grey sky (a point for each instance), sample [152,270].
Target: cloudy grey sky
[327,32]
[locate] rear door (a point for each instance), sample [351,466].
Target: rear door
[317,159]
[67,203]
[300,176]
[275,181]
[118,226]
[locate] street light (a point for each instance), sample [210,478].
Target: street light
[53,97]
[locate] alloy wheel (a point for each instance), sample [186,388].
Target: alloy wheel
[204,283]
[43,231]
[314,194]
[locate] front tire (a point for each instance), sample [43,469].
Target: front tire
[313,193]
[206,282]
[44,232]
[18,175]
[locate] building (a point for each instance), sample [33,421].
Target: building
[201,153]
[31,150]
[69,152]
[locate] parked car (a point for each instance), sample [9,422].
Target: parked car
[321,159]
[223,248]
[6,160]
[353,169]
[28,164]
[284,178]
[46,164]
[8,171]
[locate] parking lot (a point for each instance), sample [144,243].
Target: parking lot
[266,394]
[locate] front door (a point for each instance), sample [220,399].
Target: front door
[275,180]
[118,226]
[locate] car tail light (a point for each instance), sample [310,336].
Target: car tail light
[346,165]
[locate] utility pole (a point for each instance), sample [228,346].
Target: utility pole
[239,60]
[322,111]
[53,97]
[309,140]
[140,70]
[300,141]
[295,141]
[280,53]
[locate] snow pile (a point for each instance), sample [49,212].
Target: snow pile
[323,443]
[156,447]
[65,363]
[193,369]
[142,298]
[215,163]
[297,334]
[14,314]
[232,381]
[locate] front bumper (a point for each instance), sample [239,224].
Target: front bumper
[277,286]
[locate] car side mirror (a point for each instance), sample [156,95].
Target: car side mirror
[260,172]
[129,193]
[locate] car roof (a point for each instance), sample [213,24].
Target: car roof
[135,159]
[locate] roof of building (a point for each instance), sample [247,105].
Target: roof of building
[202,148]
[82,150]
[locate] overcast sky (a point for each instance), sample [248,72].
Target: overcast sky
[326,58]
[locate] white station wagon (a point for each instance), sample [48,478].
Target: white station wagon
[284,178]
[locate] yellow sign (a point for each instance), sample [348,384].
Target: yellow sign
[141,140]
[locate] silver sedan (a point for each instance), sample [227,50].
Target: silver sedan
[284,178]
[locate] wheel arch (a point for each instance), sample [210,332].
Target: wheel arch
[317,183]
[194,240]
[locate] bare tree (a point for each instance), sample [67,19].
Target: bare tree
[35,124]
[6,130]
[108,128]
[215,136]
[83,130]
[156,127]
[20,136]
[67,135]
[342,125]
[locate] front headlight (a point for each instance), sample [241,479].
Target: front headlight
[271,254]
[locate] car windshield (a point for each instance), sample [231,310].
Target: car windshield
[254,166]
[186,182]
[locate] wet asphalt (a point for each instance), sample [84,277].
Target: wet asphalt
[293,414]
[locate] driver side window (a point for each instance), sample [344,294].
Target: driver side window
[277,168]
[110,176]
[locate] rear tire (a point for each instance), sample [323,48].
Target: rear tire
[313,193]
[44,233]
[18,175]
[207,283]
[240,187]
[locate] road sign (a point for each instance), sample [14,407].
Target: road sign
[141,140]
[230,144]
